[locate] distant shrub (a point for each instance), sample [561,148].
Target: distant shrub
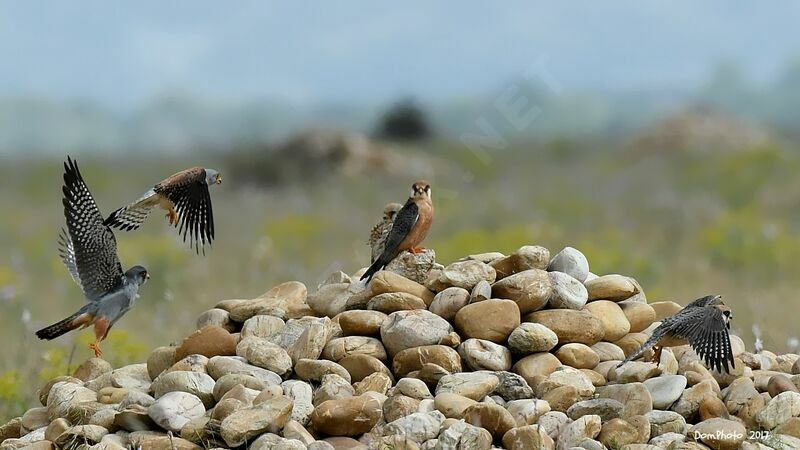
[404,121]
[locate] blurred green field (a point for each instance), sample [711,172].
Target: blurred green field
[683,224]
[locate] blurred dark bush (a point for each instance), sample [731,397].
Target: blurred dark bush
[404,121]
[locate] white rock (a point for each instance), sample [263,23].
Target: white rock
[173,410]
[572,262]
[568,293]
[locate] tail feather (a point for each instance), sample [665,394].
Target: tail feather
[379,264]
[638,352]
[57,329]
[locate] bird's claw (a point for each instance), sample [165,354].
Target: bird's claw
[96,347]
[416,250]
[172,216]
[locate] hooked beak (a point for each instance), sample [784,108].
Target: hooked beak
[147,276]
[219,179]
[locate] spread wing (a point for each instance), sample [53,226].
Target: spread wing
[67,253]
[94,249]
[188,191]
[403,223]
[130,217]
[707,333]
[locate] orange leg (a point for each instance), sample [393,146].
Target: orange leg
[657,355]
[101,327]
[415,250]
[172,216]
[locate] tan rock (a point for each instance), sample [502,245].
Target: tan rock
[312,341]
[780,383]
[536,367]
[634,396]
[395,301]
[617,433]
[493,418]
[263,326]
[529,289]
[449,301]
[218,317]
[525,258]
[665,309]
[333,387]
[639,315]
[606,351]
[570,325]
[528,437]
[351,416]
[452,405]
[361,366]
[276,302]
[161,359]
[711,408]
[611,287]
[474,385]
[530,338]
[615,324]
[339,348]
[562,398]
[579,356]
[399,406]
[492,320]
[466,274]
[208,341]
[689,402]
[263,353]
[375,382]
[720,434]
[92,368]
[385,281]
[314,370]
[632,341]
[574,433]
[414,358]
[245,424]
[361,322]
[480,354]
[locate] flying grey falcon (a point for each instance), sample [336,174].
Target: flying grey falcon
[184,196]
[379,233]
[89,251]
[410,227]
[704,325]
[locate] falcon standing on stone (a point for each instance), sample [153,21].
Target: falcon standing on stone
[184,196]
[704,325]
[89,251]
[410,227]
[379,233]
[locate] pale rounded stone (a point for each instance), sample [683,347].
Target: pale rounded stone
[408,329]
[361,366]
[419,427]
[375,382]
[332,387]
[199,384]
[530,289]
[160,359]
[665,309]
[779,410]
[494,418]
[63,395]
[330,299]
[312,341]
[218,317]
[492,320]
[566,376]
[607,351]
[568,293]
[88,434]
[262,326]
[361,322]
[271,441]
[615,324]
[578,430]
[208,341]
[91,369]
[452,405]
[525,258]
[639,315]
[350,416]
[274,302]
[174,409]
[462,435]
[536,367]
[611,287]
[720,434]
[634,396]
[191,363]
[395,301]
[665,390]
[314,370]
[663,422]
[245,424]
[481,354]
[413,359]
[339,348]
[572,262]
[133,376]
[527,411]
[528,437]
[579,356]
[474,385]
[466,274]
[553,422]
[480,292]
[220,366]
[530,338]
[570,325]
[413,388]
[606,408]
[689,402]
[449,301]
[263,353]
[385,281]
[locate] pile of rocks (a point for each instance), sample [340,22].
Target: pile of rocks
[518,351]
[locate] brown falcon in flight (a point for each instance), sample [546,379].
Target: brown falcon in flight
[184,196]
[89,251]
[410,227]
[379,233]
[704,325]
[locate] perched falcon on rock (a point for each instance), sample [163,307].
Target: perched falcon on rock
[410,227]
[184,196]
[89,251]
[379,233]
[704,325]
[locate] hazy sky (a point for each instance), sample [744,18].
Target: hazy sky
[122,54]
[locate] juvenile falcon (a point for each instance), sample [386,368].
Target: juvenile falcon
[704,325]
[379,233]
[89,251]
[184,196]
[410,227]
